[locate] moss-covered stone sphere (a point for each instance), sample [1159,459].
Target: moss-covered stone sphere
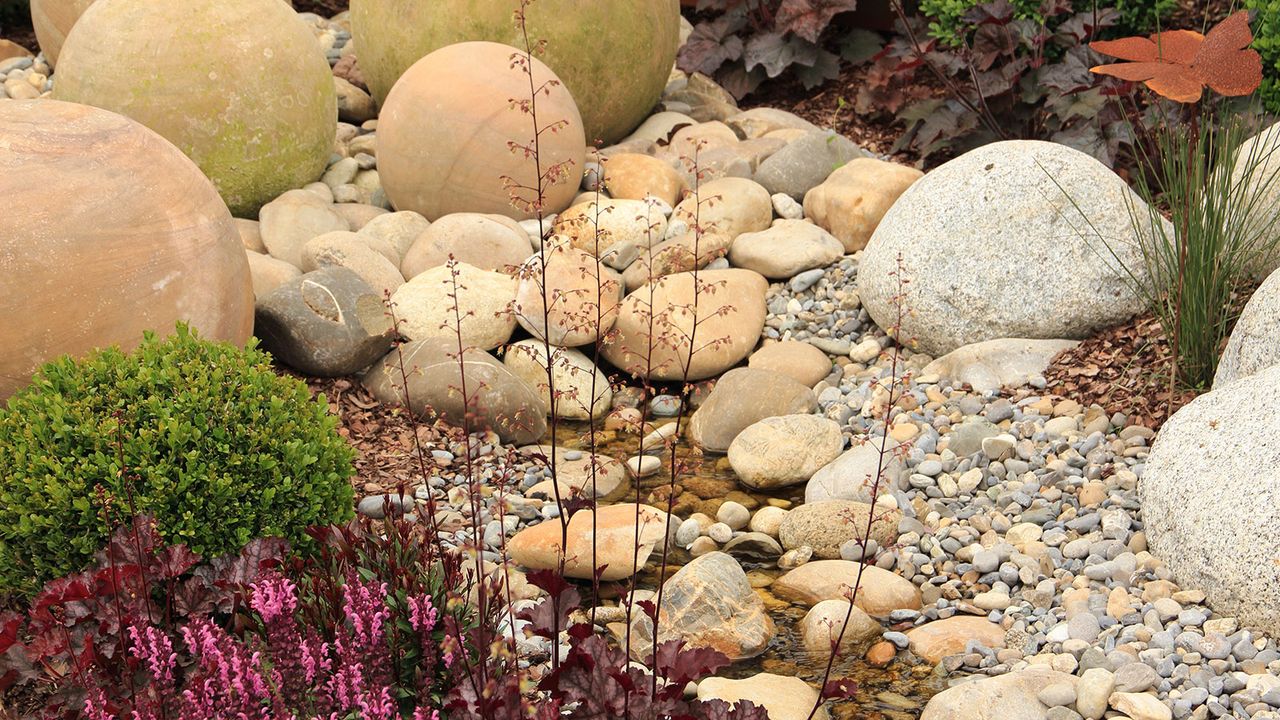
[53,20]
[109,231]
[240,86]
[614,55]
[445,132]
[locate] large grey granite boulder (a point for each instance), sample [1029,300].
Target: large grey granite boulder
[1211,498]
[994,244]
[1255,341]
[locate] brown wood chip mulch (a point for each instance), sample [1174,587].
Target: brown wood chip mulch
[1124,369]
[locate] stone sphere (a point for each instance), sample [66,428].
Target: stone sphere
[614,55]
[444,134]
[110,231]
[53,20]
[240,86]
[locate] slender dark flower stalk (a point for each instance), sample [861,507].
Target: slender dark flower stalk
[883,451]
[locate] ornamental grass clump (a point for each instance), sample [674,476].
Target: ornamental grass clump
[1218,187]
[204,437]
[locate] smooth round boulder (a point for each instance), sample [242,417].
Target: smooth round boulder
[614,57]
[111,232]
[850,203]
[570,300]
[1008,697]
[53,20]
[633,176]
[852,475]
[489,242]
[880,592]
[1255,339]
[424,306]
[582,391]
[1020,211]
[800,361]
[729,206]
[783,697]
[257,113]
[609,538]
[443,147]
[596,226]
[729,322]
[496,399]
[1211,498]
[824,629]
[741,398]
[786,249]
[826,525]
[950,636]
[784,450]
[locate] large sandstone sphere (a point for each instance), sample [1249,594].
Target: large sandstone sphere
[614,55]
[444,134]
[1211,498]
[53,20]
[240,86]
[111,231]
[1016,239]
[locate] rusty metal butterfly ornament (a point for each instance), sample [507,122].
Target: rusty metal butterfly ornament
[1179,64]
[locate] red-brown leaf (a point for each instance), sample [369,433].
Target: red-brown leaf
[1224,63]
[1136,49]
[1178,64]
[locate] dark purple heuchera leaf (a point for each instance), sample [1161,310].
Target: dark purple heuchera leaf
[741,710]
[680,664]
[713,43]
[808,18]
[776,52]
[551,613]
[825,67]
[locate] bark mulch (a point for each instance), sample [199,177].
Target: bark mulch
[1124,369]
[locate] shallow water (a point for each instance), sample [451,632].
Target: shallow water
[896,692]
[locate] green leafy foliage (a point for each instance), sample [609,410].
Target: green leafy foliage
[205,437]
[949,25]
[1266,32]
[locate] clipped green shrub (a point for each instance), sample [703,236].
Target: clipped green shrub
[219,449]
[1266,33]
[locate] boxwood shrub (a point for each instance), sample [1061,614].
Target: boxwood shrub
[1266,33]
[217,447]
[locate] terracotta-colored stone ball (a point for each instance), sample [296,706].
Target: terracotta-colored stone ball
[53,20]
[240,86]
[110,231]
[614,55]
[444,132]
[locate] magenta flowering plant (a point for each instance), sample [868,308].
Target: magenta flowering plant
[284,672]
[364,629]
